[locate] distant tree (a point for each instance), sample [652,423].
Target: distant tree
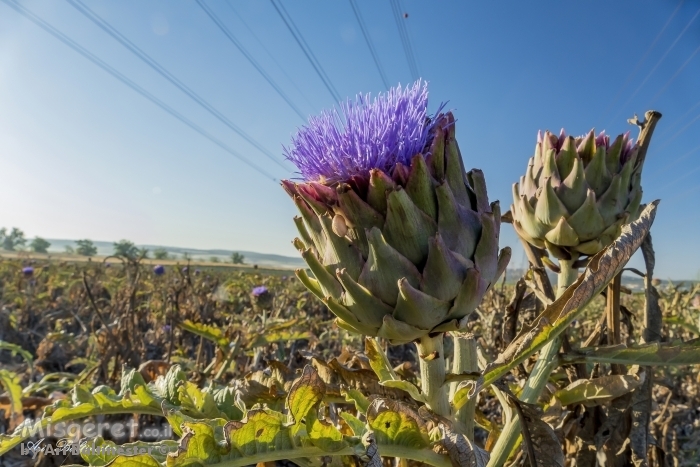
[39,245]
[126,249]
[186,256]
[143,252]
[69,249]
[85,247]
[160,253]
[237,258]
[214,259]
[15,239]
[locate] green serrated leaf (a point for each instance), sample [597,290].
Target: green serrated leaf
[305,394]
[206,331]
[11,382]
[397,423]
[323,435]
[386,374]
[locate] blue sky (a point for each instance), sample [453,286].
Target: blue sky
[84,156]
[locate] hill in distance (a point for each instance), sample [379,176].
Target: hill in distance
[251,257]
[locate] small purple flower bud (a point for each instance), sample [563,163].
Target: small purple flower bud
[260,290]
[107,265]
[197,272]
[185,269]
[166,328]
[159,270]
[28,271]
[284,278]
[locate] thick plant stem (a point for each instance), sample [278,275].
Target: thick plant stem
[465,360]
[538,377]
[432,373]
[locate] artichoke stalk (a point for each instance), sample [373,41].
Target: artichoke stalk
[577,193]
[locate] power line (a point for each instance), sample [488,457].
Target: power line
[678,72]
[306,49]
[405,40]
[269,54]
[133,48]
[100,63]
[641,61]
[404,24]
[368,39]
[247,55]
[657,64]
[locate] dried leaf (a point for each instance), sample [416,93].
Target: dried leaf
[653,354]
[461,451]
[602,268]
[595,391]
[541,443]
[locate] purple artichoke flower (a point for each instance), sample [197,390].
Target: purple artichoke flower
[197,272]
[28,271]
[284,278]
[185,269]
[258,291]
[389,217]
[159,270]
[337,146]
[166,328]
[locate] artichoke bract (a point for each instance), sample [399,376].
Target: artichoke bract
[577,193]
[402,242]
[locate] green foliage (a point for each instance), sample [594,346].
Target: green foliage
[214,259]
[237,258]
[160,253]
[126,249]
[85,247]
[13,240]
[39,245]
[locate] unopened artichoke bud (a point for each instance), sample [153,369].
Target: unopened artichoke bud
[577,193]
[401,241]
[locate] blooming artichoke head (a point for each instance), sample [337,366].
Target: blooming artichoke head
[401,241]
[577,193]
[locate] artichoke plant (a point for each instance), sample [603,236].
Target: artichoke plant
[577,193]
[401,240]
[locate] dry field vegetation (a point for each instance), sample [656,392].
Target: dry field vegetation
[198,350]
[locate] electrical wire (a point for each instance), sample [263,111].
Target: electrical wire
[306,49]
[133,48]
[641,61]
[663,57]
[368,39]
[675,75]
[405,41]
[267,51]
[247,55]
[100,63]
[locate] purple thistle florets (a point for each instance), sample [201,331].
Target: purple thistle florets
[364,135]
[28,271]
[260,290]
[159,270]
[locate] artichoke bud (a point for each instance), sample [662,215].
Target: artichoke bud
[401,241]
[577,193]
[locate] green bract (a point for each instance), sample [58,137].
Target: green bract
[577,193]
[402,254]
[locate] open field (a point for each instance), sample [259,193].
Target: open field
[79,337]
